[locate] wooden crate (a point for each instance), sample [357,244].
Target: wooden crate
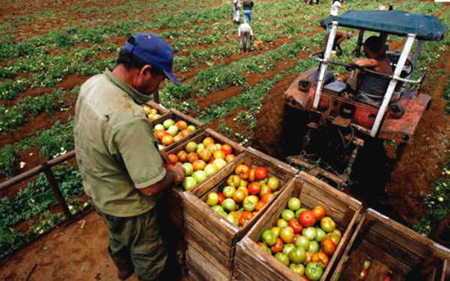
[177,115]
[211,235]
[175,195]
[160,108]
[253,263]
[392,248]
[200,267]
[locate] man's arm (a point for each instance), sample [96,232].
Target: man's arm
[173,175]
[365,62]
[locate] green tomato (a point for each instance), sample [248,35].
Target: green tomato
[298,269]
[298,255]
[314,271]
[282,223]
[269,237]
[313,247]
[287,234]
[283,258]
[288,248]
[297,213]
[303,242]
[287,214]
[310,233]
[294,204]
[229,205]
[320,234]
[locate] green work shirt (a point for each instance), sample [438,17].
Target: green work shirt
[115,148]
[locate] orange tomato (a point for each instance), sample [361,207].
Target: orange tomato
[219,154]
[208,141]
[321,258]
[160,134]
[173,159]
[182,156]
[199,165]
[181,125]
[328,246]
[229,157]
[239,196]
[242,171]
[319,212]
[259,206]
[267,197]
[167,140]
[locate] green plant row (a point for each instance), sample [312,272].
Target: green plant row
[52,143]
[13,117]
[38,196]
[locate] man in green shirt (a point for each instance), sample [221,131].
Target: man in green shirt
[120,164]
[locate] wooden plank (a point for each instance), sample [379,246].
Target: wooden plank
[377,271]
[352,268]
[390,261]
[203,269]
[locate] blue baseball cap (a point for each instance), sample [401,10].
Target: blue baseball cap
[153,50]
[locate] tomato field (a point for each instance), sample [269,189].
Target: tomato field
[49,48]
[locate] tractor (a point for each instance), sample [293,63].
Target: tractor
[338,121]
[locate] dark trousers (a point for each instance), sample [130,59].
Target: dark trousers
[135,244]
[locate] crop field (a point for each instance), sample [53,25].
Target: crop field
[48,48]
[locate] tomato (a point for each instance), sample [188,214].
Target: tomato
[260,173]
[208,141]
[219,154]
[319,212]
[363,274]
[320,258]
[278,247]
[307,218]
[387,278]
[268,236]
[182,156]
[296,226]
[172,158]
[239,195]
[264,246]
[226,148]
[181,125]
[287,234]
[314,271]
[266,198]
[259,206]
[296,236]
[327,224]
[254,188]
[160,134]
[230,157]
[283,258]
[221,198]
[250,202]
[251,175]
[242,171]
[265,189]
[328,246]
[308,258]
[245,218]
[192,157]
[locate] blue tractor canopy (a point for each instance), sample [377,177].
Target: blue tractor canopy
[427,28]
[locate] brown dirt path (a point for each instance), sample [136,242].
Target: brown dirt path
[77,252]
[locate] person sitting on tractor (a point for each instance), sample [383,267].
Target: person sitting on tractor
[371,85]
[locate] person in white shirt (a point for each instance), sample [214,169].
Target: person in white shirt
[335,8]
[236,11]
[245,33]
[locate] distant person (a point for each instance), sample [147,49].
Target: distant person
[335,6]
[382,8]
[341,36]
[236,11]
[248,6]
[245,34]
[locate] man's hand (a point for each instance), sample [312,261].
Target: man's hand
[178,173]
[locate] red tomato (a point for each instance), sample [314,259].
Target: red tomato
[173,159]
[267,197]
[251,175]
[363,274]
[254,188]
[221,198]
[387,278]
[319,212]
[328,246]
[307,218]
[277,247]
[160,134]
[295,225]
[245,218]
[260,173]
[226,148]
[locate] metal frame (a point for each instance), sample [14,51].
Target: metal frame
[394,78]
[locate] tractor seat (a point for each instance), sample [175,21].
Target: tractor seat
[372,86]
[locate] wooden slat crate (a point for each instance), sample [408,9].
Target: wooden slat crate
[393,249]
[211,235]
[161,110]
[253,263]
[177,115]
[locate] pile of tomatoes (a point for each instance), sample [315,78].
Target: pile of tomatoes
[152,114]
[170,132]
[247,191]
[304,240]
[201,160]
